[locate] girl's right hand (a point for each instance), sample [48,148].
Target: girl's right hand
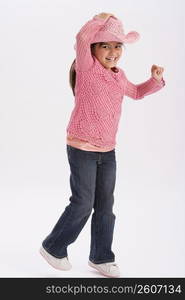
[104,15]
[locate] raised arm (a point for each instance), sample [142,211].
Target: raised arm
[139,91]
[84,38]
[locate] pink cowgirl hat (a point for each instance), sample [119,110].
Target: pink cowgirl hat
[113,30]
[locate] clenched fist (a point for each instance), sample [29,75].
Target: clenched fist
[157,72]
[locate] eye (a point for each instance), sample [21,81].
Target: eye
[119,46]
[104,46]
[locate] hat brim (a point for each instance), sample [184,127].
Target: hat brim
[106,36]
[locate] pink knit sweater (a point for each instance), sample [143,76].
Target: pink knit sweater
[99,93]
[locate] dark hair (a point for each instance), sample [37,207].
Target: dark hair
[72,77]
[72,72]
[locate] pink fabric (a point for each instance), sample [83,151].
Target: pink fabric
[84,145]
[99,93]
[113,30]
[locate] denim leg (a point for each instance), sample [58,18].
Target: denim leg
[82,182]
[103,219]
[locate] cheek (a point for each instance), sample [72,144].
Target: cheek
[101,53]
[120,52]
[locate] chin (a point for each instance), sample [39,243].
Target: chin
[113,66]
[110,66]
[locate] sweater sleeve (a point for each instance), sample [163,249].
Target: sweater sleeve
[139,91]
[84,38]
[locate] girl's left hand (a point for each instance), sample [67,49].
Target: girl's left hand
[157,72]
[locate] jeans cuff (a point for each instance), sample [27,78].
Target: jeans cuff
[102,261]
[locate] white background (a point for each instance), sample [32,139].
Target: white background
[36,52]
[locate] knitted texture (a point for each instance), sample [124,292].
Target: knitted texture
[99,93]
[113,30]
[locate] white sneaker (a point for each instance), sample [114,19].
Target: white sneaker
[108,269]
[57,263]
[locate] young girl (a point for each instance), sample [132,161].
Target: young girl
[99,87]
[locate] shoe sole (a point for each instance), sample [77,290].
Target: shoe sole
[46,258]
[100,271]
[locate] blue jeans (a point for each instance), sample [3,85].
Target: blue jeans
[92,182]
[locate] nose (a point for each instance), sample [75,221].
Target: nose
[112,52]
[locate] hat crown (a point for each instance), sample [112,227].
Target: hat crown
[114,26]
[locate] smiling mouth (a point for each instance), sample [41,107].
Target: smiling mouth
[111,58]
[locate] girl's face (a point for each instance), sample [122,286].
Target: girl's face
[108,53]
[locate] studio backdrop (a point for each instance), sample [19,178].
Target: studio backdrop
[37,40]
